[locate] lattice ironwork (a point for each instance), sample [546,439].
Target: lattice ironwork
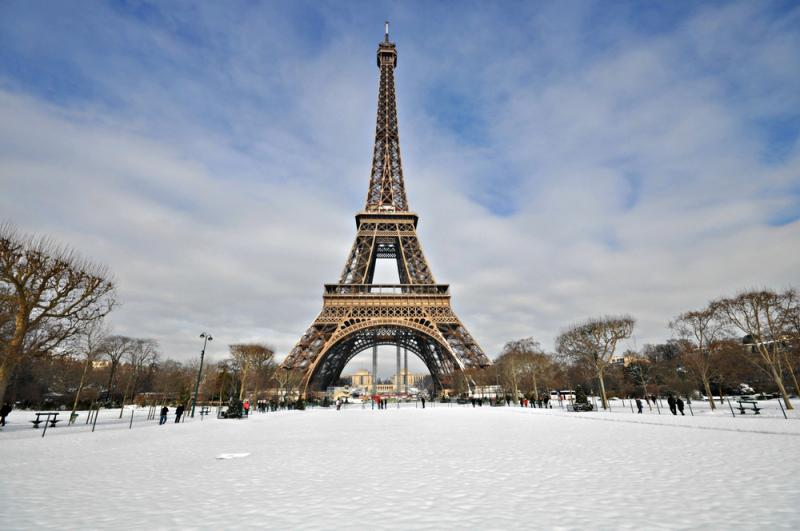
[358,314]
[386,190]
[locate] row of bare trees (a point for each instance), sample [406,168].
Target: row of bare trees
[52,308]
[53,303]
[752,337]
[767,322]
[95,344]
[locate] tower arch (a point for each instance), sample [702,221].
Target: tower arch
[434,352]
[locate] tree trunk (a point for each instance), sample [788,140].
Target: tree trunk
[111,381]
[80,386]
[602,389]
[125,394]
[13,354]
[646,398]
[4,373]
[535,387]
[244,380]
[514,380]
[707,385]
[791,371]
[779,381]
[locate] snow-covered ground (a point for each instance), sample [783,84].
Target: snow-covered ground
[439,468]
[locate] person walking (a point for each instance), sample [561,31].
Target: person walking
[178,413]
[679,403]
[246,407]
[4,411]
[671,402]
[163,418]
[422,399]
[639,405]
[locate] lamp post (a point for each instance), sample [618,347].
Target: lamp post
[206,338]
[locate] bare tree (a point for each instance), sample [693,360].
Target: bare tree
[764,318]
[249,358]
[701,331]
[507,365]
[115,348]
[522,363]
[262,362]
[88,344]
[792,339]
[143,352]
[54,295]
[7,313]
[286,379]
[596,341]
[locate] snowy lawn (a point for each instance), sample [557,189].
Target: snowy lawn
[438,468]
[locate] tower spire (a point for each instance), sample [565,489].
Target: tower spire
[386,188]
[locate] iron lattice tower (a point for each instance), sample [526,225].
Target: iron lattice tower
[357,314]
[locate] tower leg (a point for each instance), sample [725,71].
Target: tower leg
[374,370]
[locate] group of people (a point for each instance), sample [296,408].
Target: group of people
[165,411]
[380,401]
[541,402]
[675,403]
[263,406]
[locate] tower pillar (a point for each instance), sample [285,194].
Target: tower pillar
[405,370]
[374,369]
[398,376]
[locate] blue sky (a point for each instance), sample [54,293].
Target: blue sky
[637,157]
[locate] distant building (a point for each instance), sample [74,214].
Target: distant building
[627,359]
[413,378]
[100,364]
[362,378]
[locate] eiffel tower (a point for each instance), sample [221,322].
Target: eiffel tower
[358,315]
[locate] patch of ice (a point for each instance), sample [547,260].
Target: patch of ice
[232,456]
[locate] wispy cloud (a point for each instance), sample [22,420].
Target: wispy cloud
[566,159]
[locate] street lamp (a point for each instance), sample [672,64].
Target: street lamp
[206,338]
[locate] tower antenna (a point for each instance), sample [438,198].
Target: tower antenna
[386,31]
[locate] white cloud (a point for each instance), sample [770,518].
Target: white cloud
[218,179]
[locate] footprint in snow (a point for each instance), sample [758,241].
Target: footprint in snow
[231,456]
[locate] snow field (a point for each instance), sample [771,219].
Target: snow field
[442,467]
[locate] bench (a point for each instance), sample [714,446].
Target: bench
[579,407]
[39,420]
[743,410]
